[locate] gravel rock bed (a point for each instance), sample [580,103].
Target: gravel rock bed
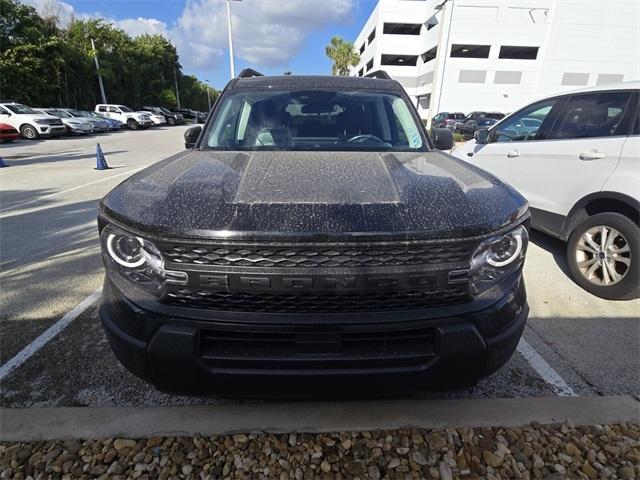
[535,451]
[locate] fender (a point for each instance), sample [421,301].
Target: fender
[578,214]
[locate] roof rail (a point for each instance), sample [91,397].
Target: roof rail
[381,74]
[248,73]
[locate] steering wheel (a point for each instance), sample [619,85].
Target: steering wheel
[365,138]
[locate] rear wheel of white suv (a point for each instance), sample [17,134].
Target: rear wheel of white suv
[603,254]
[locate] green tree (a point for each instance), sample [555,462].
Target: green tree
[44,65]
[343,54]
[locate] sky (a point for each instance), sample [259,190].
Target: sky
[271,36]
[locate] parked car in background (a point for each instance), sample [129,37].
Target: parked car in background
[157,118]
[99,125]
[578,165]
[74,126]
[113,124]
[470,126]
[446,120]
[190,114]
[30,123]
[170,117]
[476,120]
[131,119]
[8,133]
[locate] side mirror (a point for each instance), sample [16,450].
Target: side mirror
[482,136]
[442,138]
[191,136]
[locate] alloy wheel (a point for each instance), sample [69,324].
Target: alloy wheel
[603,255]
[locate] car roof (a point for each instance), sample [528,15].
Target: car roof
[300,82]
[632,85]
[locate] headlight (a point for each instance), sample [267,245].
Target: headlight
[134,259]
[496,257]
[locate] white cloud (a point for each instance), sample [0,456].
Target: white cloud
[267,33]
[62,11]
[140,26]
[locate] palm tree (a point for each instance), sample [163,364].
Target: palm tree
[343,54]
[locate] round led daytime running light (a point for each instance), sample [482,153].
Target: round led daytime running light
[117,258]
[518,238]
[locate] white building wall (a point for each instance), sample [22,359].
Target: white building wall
[579,41]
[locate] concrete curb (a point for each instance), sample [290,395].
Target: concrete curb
[29,424]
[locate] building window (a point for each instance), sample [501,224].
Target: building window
[402,28]
[472,76]
[372,35]
[399,60]
[362,48]
[605,78]
[507,77]
[361,72]
[575,79]
[432,22]
[424,101]
[429,55]
[518,53]
[470,51]
[369,65]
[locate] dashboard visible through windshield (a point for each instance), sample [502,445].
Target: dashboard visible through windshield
[313,120]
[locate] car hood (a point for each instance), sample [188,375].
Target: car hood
[246,194]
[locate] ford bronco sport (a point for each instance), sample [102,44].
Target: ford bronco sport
[312,240]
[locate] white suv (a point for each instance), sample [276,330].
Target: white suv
[133,120]
[576,158]
[30,123]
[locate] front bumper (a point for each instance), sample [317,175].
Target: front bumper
[277,359]
[52,131]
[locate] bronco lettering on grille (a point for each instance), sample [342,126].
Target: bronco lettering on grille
[331,283]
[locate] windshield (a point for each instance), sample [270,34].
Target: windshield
[124,109]
[58,113]
[17,108]
[314,120]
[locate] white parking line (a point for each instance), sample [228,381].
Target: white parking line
[47,335]
[62,192]
[546,371]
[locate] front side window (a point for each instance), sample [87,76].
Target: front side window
[314,120]
[525,125]
[125,109]
[593,115]
[21,109]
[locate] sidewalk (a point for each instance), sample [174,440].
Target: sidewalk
[551,437]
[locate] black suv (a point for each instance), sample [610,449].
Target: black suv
[170,117]
[189,114]
[311,242]
[475,121]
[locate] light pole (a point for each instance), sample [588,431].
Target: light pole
[208,94]
[233,73]
[95,59]
[441,60]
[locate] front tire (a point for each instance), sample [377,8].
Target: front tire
[29,132]
[603,254]
[132,124]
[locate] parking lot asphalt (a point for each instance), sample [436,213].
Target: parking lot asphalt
[50,262]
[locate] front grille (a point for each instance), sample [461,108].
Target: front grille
[325,303]
[319,256]
[314,347]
